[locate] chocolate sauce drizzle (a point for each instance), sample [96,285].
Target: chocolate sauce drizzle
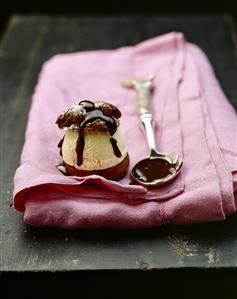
[93,114]
[80,147]
[60,144]
[115,147]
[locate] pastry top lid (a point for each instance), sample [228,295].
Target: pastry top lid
[90,117]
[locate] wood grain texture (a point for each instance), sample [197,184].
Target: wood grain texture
[28,42]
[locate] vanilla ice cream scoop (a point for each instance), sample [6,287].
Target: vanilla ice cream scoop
[93,142]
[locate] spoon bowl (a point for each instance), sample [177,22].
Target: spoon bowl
[156,170]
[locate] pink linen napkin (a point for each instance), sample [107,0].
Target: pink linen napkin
[193,119]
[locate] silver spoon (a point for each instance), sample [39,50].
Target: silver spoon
[158,168]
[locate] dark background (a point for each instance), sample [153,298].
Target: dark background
[190,282]
[117,7]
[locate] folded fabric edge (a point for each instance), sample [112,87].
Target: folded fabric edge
[224,173]
[141,46]
[90,191]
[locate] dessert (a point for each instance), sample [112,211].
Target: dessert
[93,142]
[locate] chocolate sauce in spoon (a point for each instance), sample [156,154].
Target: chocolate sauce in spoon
[152,169]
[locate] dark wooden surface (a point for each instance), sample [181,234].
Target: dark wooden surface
[28,42]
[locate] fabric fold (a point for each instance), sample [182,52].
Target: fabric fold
[193,119]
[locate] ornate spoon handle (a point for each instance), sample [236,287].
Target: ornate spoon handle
[144,89]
